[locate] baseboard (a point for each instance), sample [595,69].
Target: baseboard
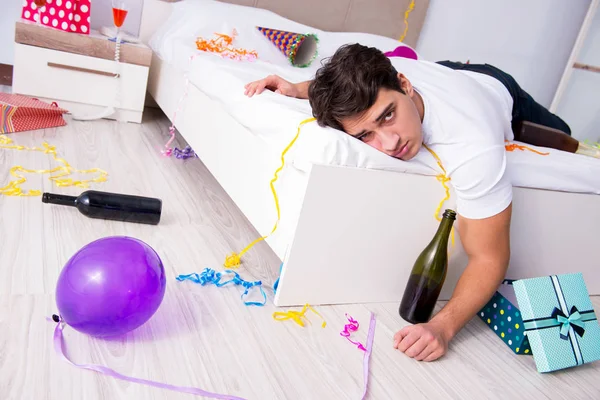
[6,74]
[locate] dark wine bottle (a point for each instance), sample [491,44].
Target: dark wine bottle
[428,275]
[111,206]
[543,136]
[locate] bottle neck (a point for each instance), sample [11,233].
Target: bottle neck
[59,199]
[443,232]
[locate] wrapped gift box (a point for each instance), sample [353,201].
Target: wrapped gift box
[559,320]
[503,317]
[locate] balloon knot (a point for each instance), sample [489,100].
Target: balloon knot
[55,318]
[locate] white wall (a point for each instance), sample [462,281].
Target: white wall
[580,103]
[530,39]
[10,12]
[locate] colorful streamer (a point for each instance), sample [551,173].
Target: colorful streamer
[59,347]
[184,154]
[234,260]
[410,8]
[222,45]
[352,326]
[592,144]
[444,179]
[297,316]
[169,151]
[513,146]
[209,275]
[58,175]
[367,356]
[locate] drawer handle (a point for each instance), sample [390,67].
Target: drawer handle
[91,71]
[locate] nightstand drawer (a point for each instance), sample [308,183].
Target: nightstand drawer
[52,74]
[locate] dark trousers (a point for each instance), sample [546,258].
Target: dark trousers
[525,108]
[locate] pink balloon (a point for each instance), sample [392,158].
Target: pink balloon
[111,286]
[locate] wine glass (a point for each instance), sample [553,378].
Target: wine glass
[39,4]
[119,9]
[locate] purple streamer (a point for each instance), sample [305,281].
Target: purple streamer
[60,350]
[184,154]
[367,355]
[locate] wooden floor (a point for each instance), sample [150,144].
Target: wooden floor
[204,336]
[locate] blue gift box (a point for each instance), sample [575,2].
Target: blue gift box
[503,317]
[559,320]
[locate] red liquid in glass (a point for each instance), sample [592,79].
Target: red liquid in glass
[119,16]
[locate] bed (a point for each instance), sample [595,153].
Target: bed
[330,253]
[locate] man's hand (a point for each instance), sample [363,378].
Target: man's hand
[278,85]
[487,244]
[423,342]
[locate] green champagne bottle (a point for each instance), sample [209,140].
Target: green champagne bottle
[428,275]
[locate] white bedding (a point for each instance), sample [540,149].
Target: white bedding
[274,118]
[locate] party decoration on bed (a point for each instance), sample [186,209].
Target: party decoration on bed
[23,113]
[514,146]
[96,287]
[233,260]
[403,52]
[588,149]
[297,316]
[300,49]
[367,356]
[410,8]
[352,326]
[209,275]
[223,45]
[67,15]
[59,348]
[59,175]
[592,144]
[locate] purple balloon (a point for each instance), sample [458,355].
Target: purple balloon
[111,286]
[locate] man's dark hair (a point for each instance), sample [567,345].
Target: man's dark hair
[348,83]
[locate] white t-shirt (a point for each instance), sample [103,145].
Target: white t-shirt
[466,122]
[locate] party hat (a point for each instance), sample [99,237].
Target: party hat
[300,49]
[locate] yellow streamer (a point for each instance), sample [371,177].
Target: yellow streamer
[233,260]
[410,8]
[297,316]
[58,174]
[443,178]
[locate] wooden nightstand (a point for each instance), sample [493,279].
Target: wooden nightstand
[79,71]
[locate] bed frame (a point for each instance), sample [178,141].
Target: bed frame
[339,255]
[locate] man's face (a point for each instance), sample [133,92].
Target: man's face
[392,125]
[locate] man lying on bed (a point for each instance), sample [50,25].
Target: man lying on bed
[465,118]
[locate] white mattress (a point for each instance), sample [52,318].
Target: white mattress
[274,118]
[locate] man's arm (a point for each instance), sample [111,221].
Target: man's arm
[303,89]
[278,85]
[487,244]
